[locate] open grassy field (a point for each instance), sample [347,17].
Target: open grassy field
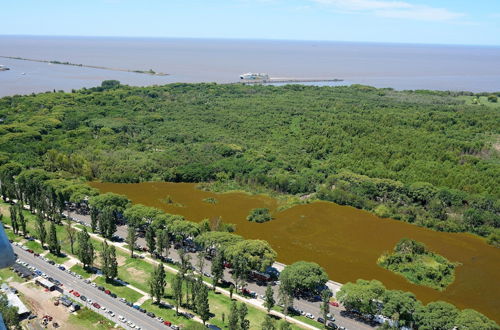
[87,319]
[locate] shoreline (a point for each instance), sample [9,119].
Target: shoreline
[150,71]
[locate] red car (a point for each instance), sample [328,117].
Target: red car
[334,303]
[76,294]
[167,323]
[30,250]
[107,291]
[96,305]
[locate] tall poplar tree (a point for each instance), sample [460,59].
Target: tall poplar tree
[85,250]
[157,283]
[54,246]
[40,226]
[22,220]
[150,239]
[201,302]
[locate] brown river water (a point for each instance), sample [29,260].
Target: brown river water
[344,240]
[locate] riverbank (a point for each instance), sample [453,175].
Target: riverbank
[150,71]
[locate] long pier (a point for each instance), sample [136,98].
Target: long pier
[287,80]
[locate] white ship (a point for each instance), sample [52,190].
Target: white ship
[254,76]
[3,68]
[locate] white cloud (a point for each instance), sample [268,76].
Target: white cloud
[393,9]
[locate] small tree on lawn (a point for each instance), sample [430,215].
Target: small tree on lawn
[243,312]
[233,317]
[269,301]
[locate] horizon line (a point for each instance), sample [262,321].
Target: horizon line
[252,39]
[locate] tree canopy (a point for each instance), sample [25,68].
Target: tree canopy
[424,157]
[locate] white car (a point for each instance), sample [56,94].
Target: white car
[111,313]
[310,316]
[121,318]
[103,308]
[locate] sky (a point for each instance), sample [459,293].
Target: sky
[465,22]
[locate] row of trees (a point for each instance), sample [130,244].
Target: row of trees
[403,308]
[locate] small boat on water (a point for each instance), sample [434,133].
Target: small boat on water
[23,73]
[3,68]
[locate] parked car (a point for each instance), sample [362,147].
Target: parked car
[100,288]
[112,295]
[331,325]
[83,298]
[107,291]
[321,320]
[334,303]
[310,316]
[150,314]
[167,323]
[96,305]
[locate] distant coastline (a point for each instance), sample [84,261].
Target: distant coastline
[150,71]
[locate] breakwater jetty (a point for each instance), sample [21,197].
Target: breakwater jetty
[150,71]
[286,80]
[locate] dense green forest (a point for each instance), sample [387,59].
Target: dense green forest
[426,157]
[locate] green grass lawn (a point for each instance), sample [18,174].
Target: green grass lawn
[86,318]
[57,259]
[13,237]
[120,290]
[7,273]
[135,272]
[79,270]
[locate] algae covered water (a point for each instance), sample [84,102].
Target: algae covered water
[345,241]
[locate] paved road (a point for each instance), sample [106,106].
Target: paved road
[306,306]
[70,282]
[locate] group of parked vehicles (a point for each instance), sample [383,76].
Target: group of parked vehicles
[96,305]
